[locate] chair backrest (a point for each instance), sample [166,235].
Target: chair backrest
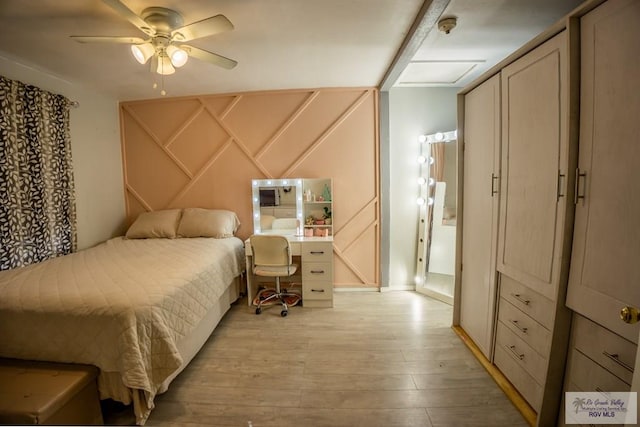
[270,250]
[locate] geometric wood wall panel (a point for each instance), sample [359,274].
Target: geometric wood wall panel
[203,151]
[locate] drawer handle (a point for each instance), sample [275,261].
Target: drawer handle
[316,271]
[517,325]
[616,359]
[521,299]
[317,290]
[316,252]
[512,349]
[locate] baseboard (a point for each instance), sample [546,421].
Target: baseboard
[345,289]
[512,394]
[398,288]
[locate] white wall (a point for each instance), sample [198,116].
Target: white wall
[412,111]
[95,146]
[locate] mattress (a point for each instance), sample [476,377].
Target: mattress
[123,306]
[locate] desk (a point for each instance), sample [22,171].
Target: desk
[316,269]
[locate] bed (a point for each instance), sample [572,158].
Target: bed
[139,309]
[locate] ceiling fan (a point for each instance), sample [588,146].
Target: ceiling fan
[166,34]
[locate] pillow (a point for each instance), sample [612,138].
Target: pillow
[163,223]
[218,223]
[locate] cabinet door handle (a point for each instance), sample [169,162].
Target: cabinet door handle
[512,349]
[576,194]
[316,252]
[559,190]
[630,315]
[517,325]
[494,191]
[521,299]
[317,290]
[316,271]
[617,360]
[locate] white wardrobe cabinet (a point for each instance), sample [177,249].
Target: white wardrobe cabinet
[605,269]
[481,164]
[605,264]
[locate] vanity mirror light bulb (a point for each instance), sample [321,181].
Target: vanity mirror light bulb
[422,159]
[418,280]
[432,182]
[422,138]
[420,201]
[430,201]
[439,136]
[422,180]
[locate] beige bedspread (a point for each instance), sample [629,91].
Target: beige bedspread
[121,306]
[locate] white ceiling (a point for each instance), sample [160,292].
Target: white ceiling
[279,44]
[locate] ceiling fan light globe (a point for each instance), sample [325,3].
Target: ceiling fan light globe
[178,56]
[164,66]
[142,52]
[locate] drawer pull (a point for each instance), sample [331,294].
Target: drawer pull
[517,325]
[521,299]
[317,290]
[512,349]
[616,359]
[316,271]
[316,252]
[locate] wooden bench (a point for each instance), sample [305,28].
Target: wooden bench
[48,393]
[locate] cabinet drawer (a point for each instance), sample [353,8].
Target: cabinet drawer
[609,350]
[530,331]
[317,291]
[317,252]
[530,302]
[521,353]
[317,272]
[586,375]
[521,380]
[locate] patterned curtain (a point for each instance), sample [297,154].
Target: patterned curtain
[37,201]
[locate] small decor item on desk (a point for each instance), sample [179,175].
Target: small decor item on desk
[326,193]
[327,215]
[308,232]
[322,232]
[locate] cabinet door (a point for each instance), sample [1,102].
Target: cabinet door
[605,265]
[480,212]
[534,165]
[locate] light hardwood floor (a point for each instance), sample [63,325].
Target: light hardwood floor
[375,359]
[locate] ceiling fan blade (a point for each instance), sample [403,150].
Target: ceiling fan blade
[128,14]
[108,39]
[206,27]
[212,58]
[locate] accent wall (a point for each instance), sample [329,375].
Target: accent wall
[203,151]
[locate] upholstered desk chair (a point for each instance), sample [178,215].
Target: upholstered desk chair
[272,258]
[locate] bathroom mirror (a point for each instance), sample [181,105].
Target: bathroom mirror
[277,206]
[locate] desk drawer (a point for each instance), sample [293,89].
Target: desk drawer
[317,291]
[317,272]
[317,252]
[530,331]
[609,350]
[528,301]
[521,353]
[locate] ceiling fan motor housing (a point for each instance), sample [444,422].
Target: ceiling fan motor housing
[161,19]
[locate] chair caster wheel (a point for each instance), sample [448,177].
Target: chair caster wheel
[284,313]
[258,310]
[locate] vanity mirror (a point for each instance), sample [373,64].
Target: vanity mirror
[293,206]
[277,206]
